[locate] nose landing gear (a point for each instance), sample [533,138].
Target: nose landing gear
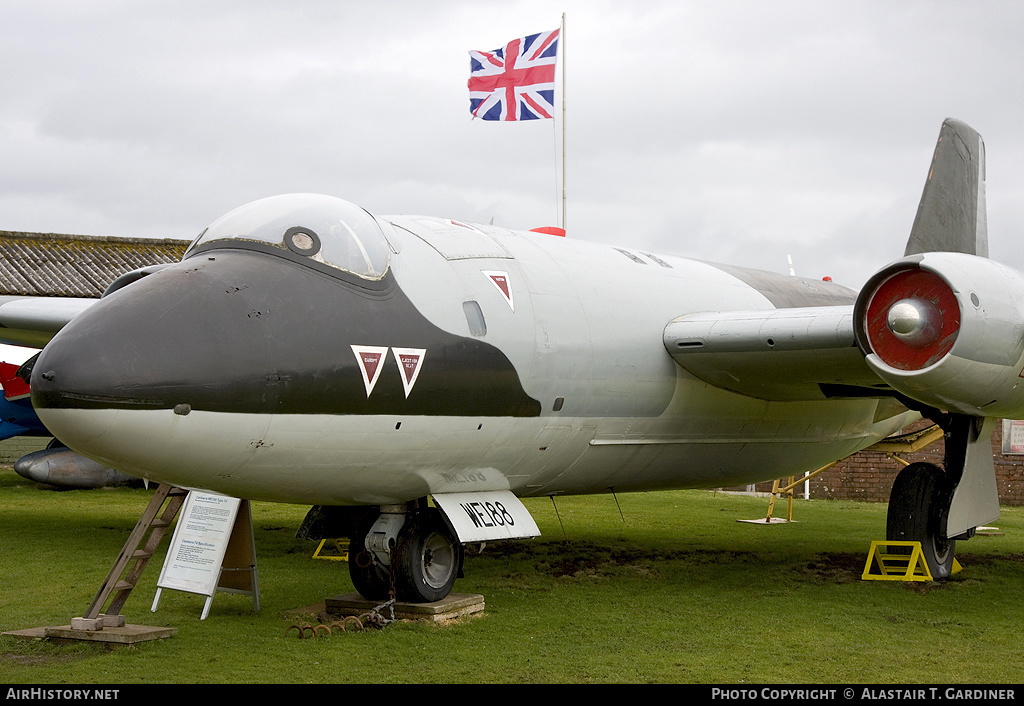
[419,564]
[427,558]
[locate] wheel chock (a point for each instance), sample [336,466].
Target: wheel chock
[885,565]
[341,554]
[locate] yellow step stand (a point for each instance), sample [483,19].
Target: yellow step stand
[898,567]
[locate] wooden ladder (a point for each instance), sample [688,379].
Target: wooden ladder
[137,552]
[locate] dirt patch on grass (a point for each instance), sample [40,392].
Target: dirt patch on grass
[25,660]
[595,562]
[579,559]
[583,559]
[832,568]
[41,655]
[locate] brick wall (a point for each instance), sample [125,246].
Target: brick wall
[868,476]
[14,448]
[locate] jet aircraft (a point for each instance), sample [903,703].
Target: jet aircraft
[306,351]
[17,418]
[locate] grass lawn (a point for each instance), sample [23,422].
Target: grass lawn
[674,590]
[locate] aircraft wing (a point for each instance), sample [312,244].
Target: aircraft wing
[33,321]
[804,353]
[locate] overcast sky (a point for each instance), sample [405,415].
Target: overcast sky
[732,131]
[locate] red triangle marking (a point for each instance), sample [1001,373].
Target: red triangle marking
[501,281]
[370,359]
[410,362]
[370,363]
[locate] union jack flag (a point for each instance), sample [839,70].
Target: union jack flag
[516,82]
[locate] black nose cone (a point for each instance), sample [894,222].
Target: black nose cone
[180,336]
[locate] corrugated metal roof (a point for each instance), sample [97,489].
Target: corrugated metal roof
[51,265]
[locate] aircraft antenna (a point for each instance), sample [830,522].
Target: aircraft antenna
[554,505]
[621,517]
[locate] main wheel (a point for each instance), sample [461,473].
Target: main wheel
[427,558]
[918,507]
[372,580]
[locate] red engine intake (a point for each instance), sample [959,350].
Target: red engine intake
[947,330]
[912,319]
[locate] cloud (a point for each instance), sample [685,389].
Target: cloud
[735,130]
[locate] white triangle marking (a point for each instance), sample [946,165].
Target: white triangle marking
[410,362]
[371,362]
[504,285]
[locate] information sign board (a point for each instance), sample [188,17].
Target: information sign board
[209,528]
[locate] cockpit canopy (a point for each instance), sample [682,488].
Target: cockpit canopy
[323,228]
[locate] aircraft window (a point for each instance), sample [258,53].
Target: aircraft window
[302,241]
[475,318]
[323,228]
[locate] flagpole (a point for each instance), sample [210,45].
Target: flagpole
[561,36]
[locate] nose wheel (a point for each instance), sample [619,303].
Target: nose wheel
[425,561]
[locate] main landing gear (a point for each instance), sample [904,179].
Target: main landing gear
[937,507]
[918,509]
[408,553]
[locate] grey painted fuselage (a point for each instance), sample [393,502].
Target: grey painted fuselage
[576,392]
[617,412]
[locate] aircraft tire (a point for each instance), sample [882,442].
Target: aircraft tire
[427,558]
[918,505]
[369,578]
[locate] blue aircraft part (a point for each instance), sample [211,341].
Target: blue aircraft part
[18,418]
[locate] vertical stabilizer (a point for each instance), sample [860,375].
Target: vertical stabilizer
[951,216]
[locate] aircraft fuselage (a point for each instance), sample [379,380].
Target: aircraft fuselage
[478,358]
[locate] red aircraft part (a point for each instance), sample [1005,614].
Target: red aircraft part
[927,292]
[14,387]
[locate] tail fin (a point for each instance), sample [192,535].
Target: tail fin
[952,216]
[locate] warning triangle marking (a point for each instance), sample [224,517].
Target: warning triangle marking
[501,281]
[410,362]
[370,359]
[460,224]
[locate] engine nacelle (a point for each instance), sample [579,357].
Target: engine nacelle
[947,329]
